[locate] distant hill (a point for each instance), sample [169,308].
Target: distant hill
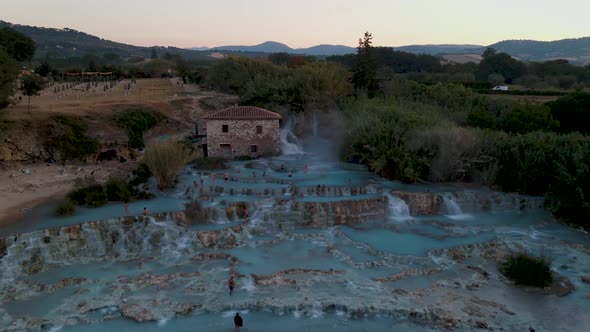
[275,47]
[69,43]
[576,50]
[441,49]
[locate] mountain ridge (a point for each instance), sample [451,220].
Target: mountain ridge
[63,43]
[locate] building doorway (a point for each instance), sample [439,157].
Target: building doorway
[225,150]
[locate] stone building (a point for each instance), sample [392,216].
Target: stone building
[243,131]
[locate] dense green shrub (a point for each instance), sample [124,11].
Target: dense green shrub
[379,134]
[117,191]
[136,121]
[96,197]
[527,117]
[67,136]
[66,208]
[481,119]
[557,166]
[526,270]
[572,112]
[79,195]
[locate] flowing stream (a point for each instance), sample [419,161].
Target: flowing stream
[325,247]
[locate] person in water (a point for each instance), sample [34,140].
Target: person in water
[126,208]
[226,176]
[231,283]
[238,322]
[145,211]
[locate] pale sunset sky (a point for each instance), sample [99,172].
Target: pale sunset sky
[304,23]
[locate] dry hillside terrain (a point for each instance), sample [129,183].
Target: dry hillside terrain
[23,135]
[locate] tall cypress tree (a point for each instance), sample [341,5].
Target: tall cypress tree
[364,76]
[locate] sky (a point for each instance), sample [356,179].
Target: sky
[304,23]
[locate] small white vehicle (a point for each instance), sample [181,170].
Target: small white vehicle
[501,87]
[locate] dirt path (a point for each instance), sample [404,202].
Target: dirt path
[20,192]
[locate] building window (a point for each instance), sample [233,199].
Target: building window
[253,148]
[259,129]
[225,128]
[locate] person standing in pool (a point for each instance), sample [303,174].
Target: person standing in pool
[238,322]
[145,211]
[231,283]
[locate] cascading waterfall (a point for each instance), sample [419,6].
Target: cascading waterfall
[289,143]
[398,209]
[314,125]
[453,209]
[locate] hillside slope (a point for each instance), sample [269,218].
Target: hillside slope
[69,43]
[576,50]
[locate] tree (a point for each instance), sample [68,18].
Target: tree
[502,64]
[14,47]
[43,69]
[488,52]
[364,75]
[30,85]
[496,79]
[8,72]
[18,46]
[154,53]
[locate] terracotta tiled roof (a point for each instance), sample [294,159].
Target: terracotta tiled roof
[243,113]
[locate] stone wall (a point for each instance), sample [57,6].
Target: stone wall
[241,135]
[322,214]
[122,238]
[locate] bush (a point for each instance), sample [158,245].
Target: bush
[136,121]
[79,195]
[481,119]
[96,198]
[379,135]
[527,117]
[572,112]
[117,191]
[67,135]
[526,270]
[195,212]
[557,166]
[66,208]
[164,159]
